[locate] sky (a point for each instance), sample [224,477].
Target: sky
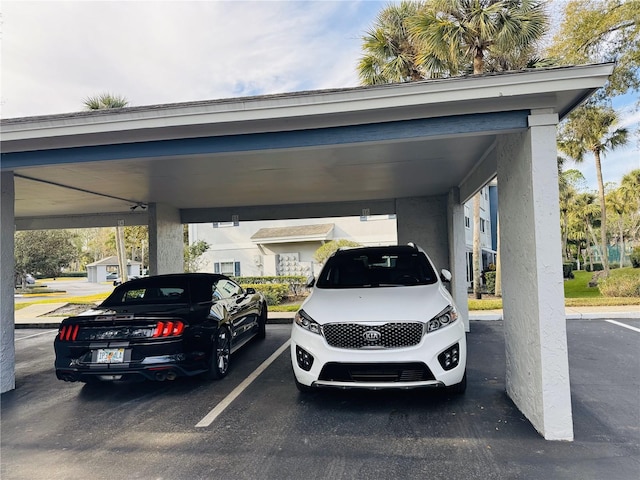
[55,54]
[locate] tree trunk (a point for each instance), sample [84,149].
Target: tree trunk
[498,290]
[477,249]
[620,227]
[603,216]
[122,261]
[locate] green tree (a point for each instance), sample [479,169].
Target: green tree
[618,206]
[584,215]
[463,33]
[193,255]
[329,248]
[630,191]
[389,54]
[595,31]
[44,252]
[104,101]
[567,187]
[590,129]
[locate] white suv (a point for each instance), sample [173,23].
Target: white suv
[379,317]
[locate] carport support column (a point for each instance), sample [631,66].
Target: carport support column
[166,240]
[437,225]
[537,366]
[7,267]
[457,256]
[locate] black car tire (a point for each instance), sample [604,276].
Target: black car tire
[262,323]
[220,355]
[459,388]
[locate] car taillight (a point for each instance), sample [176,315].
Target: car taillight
[69,333]
[168,329]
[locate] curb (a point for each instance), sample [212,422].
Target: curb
[280,318]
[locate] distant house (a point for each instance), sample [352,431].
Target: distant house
[283,247]
[98,271]
[286,247]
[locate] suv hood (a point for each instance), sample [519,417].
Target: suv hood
[379,304]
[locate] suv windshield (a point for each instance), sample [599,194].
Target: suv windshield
[375,267]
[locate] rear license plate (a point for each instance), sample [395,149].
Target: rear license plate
[110,355]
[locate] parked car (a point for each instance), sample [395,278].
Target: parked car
[160,328]
[118,280]
[112,276]
[379,317]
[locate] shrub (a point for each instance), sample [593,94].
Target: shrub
[597,266]
[295,283]
[273,292]
[635,257]
[490,281]
[620,286]
[567,270]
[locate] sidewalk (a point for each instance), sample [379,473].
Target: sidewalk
[36,316]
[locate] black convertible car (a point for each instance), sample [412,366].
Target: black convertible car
[159,328]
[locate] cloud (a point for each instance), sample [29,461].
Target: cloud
[55,54]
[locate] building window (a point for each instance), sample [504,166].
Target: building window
[467,222]
[229,268]
[482,225]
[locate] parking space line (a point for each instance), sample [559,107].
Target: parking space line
[35,335]
[213,414]
[624,325]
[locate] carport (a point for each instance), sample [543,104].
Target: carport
[418,150]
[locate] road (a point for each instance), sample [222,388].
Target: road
[54,430]
[74,287]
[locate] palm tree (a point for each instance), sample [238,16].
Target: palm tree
[390,56]
[583,215]
[590,129]
[618,205]
[105,101]
[461,34]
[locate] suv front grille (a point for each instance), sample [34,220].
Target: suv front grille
[387,335]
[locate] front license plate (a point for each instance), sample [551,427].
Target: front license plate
[110,355]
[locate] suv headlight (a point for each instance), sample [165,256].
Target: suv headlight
[306,322]
[444,318]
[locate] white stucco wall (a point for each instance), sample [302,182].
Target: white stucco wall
[7,267]
[537,373]
[423,220]
[166,244]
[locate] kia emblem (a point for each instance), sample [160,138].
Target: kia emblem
[371,336]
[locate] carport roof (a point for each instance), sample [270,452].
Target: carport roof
[306,148]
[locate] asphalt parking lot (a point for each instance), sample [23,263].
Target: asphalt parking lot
[262,428]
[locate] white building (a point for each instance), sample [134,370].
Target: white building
[286,247]
[283,247]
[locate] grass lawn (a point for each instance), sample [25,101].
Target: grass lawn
[577,293]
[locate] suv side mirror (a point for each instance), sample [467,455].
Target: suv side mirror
[445,275]
[311,281]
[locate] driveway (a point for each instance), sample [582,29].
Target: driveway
[74,287]
[265,429]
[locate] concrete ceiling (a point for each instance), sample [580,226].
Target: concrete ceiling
[348,145]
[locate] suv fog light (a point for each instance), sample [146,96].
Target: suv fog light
[450,357]
[305,359]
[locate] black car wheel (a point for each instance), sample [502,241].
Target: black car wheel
[220,354]
[262,323]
